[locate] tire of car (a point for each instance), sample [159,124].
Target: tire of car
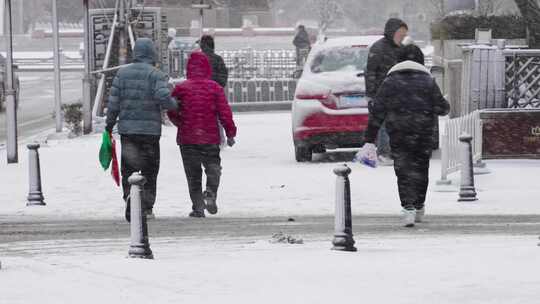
[303,154]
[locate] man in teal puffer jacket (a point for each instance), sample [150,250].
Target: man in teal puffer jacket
[138,96]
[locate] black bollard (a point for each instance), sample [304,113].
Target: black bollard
[467,191]
[139,247]
[35,195]
[343,237]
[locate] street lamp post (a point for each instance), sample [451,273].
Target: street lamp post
[201,7]
[11,102]
[122,58]
[57,80]
[87,99]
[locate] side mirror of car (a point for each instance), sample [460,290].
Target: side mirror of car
[361,74]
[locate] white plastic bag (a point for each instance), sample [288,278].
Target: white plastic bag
[367,155]
[222,137]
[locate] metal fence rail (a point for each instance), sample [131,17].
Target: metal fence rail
[241,90]
[245,63]
[43,61]
[260,90]
[522,78]
[450,161]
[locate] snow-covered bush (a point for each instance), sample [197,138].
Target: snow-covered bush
[463,26]
[73,118]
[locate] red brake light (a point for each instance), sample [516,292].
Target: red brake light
[312,96]
[327,99]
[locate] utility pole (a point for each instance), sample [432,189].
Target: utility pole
[201,7]
[57,80]
[87,99]
[122,28]
[21,17]
[201,19]
[11,102]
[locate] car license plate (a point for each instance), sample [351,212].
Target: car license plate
[352,101]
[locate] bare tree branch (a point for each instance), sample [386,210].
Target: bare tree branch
[531,13]
[327,12]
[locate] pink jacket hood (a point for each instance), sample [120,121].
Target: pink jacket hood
[198,66]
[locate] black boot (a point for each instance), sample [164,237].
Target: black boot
[210,199]
[197,214]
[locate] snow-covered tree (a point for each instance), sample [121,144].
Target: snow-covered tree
[327,13]
[531,13]
[438,8]
[483,8]
[489,7]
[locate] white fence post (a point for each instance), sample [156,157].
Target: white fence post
[450,145]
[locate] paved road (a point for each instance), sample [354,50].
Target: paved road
[12,229]
[37,101]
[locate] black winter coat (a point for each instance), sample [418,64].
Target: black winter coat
[383,55]
[220,73]
[408,101]
[301,40]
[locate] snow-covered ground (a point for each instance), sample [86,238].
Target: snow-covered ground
[260,178]
[397,270]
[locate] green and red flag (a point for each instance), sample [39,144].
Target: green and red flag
[107,155]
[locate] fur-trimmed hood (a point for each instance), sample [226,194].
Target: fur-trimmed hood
[408,66]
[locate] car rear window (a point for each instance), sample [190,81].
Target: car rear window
[350,58]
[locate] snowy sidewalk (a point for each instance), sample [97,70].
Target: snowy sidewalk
[397,270]
[79,241]
[260,178]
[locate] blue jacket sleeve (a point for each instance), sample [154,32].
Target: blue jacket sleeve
[162,93]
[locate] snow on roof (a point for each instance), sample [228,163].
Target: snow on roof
[347,41]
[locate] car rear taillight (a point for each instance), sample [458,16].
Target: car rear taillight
[312,96]
[328,99]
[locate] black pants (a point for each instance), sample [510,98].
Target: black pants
[411,164]
[194,158]
[140,153]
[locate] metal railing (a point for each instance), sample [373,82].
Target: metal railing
[450,161]
[522,70]
[260,90]
[245,63]
[43,61]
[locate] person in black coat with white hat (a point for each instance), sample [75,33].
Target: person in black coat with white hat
[407,101]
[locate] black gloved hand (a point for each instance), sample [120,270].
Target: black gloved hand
[231,141]
[109,128]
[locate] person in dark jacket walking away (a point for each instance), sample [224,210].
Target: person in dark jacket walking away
[138,95]
[383,55]
[204,106]
[407,101]
[303,45]
[220,73]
